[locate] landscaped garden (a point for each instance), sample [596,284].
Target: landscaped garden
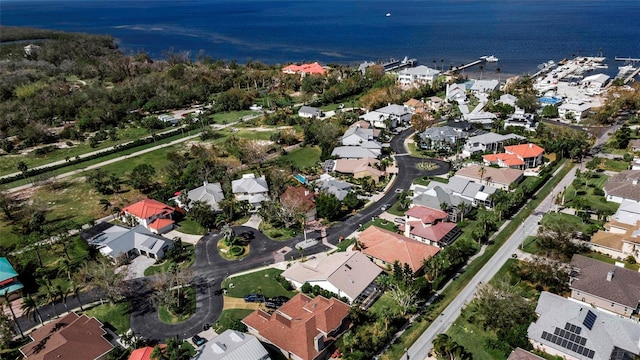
[182,309]
[265,282]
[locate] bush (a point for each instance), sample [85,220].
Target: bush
[236,250]
[306,288]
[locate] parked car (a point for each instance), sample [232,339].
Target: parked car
[198,340]
[385,207]
[276,302]
[399,220]
[254,298]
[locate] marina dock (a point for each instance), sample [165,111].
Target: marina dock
[462,67]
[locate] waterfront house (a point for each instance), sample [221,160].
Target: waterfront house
[417,76]
[303,328]
[305,69]
[483,86]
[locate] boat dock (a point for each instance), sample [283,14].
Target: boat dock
[633,75]
[462,67]
[626,59]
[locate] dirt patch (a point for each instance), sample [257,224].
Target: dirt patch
[237,303]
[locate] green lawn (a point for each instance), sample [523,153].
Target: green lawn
[229,317]
[279,234]
[168,263]
[610,260]
[381,223]
[570,221]
[615,165]
[586,193]
[383,305]
[472,337]
[115,315]
[264,282]
[344,244]
[302,158]
[191,227]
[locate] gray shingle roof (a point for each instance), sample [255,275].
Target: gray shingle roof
[626,184]
[209,193]
[591,278]
[608,332]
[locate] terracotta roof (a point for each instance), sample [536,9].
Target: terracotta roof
[71,337]
[300,197]
[507,159]
[435,232]
[505,176]
[141,354]
[295,324]
[426,215]
[148,208]
[625,184]
[313,68]
[158,224]
[591,278]
[388,246]
[525,151]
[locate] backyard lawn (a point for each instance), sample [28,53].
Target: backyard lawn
[191,227]
[230,317]
[263,282]
[569,221]
[115,315]
[615,165]
[302,158]
[586,195]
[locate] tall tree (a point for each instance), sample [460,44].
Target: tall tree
[141,176]
[30,309]
[7,303]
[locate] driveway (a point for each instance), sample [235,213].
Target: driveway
[137,267]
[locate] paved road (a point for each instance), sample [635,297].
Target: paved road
[423,345]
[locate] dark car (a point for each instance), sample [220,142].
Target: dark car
[197,340]
[276,302]
[247,235]
[254,298]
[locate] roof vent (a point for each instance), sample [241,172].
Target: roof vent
[609,275]
[236,336]
[218,347]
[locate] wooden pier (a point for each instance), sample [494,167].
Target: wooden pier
[633,75]
[462,67]
[627,59]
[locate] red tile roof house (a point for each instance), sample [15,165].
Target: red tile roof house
[303,328]
[304,69]
[71,337]
[524,156]
[429,226]
[151,214]
[301,199]
[386,247]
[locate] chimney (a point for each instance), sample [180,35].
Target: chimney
[205,183]
[610,275]
[635,182]
[530,146]
[407,228]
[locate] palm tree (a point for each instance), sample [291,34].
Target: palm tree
[481,172]
[462,207]
[64,294]
[51,295]
[498,70]
[106,204]
[442,344]
[73,286]
[30,308]
[13,314]
[227,234]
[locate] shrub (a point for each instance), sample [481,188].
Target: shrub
[236,250]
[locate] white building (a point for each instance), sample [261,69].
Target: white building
[250,188]
[417,76]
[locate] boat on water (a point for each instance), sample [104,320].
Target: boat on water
[388,14]
[489,58]
[626,69]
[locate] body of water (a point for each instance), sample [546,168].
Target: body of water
[521,33]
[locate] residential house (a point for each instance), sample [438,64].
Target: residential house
[521,119]
[209,193]
[385,247]
[436,195]
[618,239]
[9,283]
[399,114]
[523,156]
[169,119]
[233,345]
[484,118]
[118,242]
[301,199]
[489,142]
[330,185]
[356,152]
[576,109]
[442,137]
[151,214]
[364,66]
[356,135]
[143,353]
[456,93]
[508,99]
[310,112]
[623,186]
[484,86]
[468,189]
[417,76]
[305,69]
[250,188]
[434,103]
[503,178]
[605,285]
[302,328]
[429,226]
[359,168]
[520,354]
[634,145]
[379,120]
[573,330]
[415,106]
[347,274]
[69,337]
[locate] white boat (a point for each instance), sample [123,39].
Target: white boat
[388,14]
[626,69]
[489,58]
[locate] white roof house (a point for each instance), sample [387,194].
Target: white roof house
[330,185]
[596,81]
[488,141]
[484,86]
[346,274]
[250,188]
[576,107]
[233,345]
[508,99]
[400,113]
[417,76]
[457,93]
[355,136]
[481,117]
[355,152]
[575,330]
[377,119]
[310,112]
[117,241]
[208,193]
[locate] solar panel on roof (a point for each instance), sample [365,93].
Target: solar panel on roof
[589,319]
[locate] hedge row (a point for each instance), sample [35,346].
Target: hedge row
[79,160]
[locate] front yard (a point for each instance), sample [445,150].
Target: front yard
[264,282]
